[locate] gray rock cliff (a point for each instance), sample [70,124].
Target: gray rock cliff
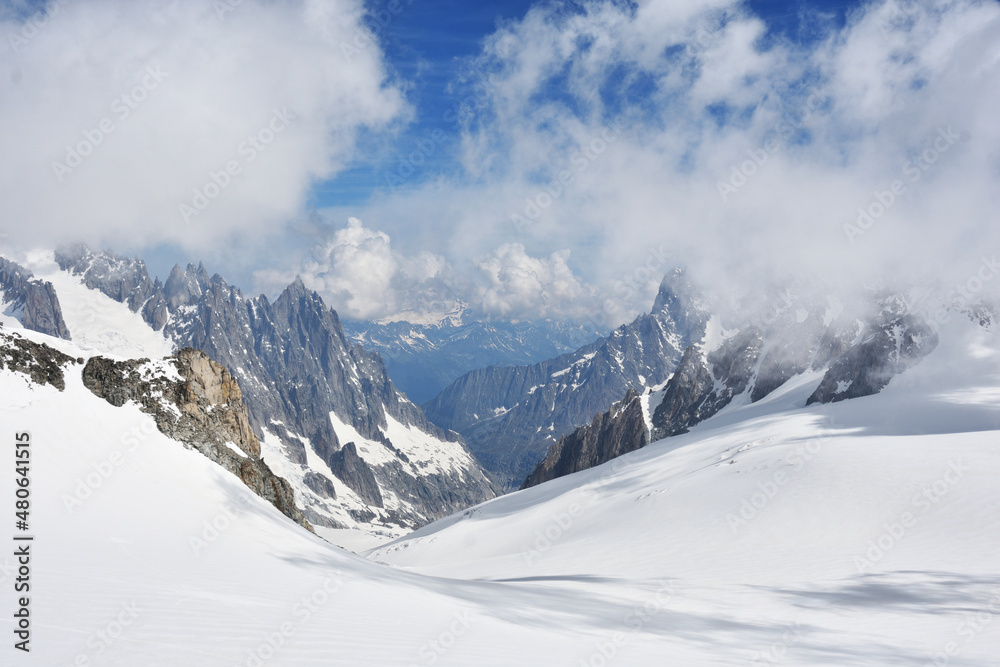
[33,302]
[296,367]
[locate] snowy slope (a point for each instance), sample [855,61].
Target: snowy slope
[100,324]
[871,528]
[169,560]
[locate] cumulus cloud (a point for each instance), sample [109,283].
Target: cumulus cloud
[181,122]
[636,135]
[869,155]
[519,286]
[361,275]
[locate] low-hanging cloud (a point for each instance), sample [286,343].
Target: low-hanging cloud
[634,135]
[181,122]
[362,276]
[519,286]
[868,156]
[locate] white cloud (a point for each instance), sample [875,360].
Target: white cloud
[361,276]
[608,129]
[697,94]
[518,286]
[263,87]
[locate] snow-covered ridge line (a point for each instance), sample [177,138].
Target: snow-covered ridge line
[280,352]
[193,400]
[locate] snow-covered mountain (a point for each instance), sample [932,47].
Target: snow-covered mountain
[510,416]
[863,532]
[357,453]
[844,357]
[423,358]
[30,302]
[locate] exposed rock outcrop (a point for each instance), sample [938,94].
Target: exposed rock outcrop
[619,431]
[43,364]
[860,358]
[197,402]
[355,473]
[893,342]
[320,484]
[33,302]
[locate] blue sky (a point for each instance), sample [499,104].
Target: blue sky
[430,41]
[612,142]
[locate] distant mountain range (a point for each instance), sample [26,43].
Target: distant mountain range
[840,358]
[359,453]
[512,415]
[424,358]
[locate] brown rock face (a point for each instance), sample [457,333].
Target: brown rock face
[203,409]
[209,383]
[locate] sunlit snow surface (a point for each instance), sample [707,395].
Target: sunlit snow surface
[639,559]
[98,324]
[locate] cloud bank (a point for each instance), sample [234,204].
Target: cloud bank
[870,155]
[361,275]
[601,143]
[185,122]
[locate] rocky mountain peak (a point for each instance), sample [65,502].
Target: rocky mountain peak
[33,302]
[184,287]
[296,370]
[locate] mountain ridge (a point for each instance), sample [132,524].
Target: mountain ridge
[299,375]
[510,416]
